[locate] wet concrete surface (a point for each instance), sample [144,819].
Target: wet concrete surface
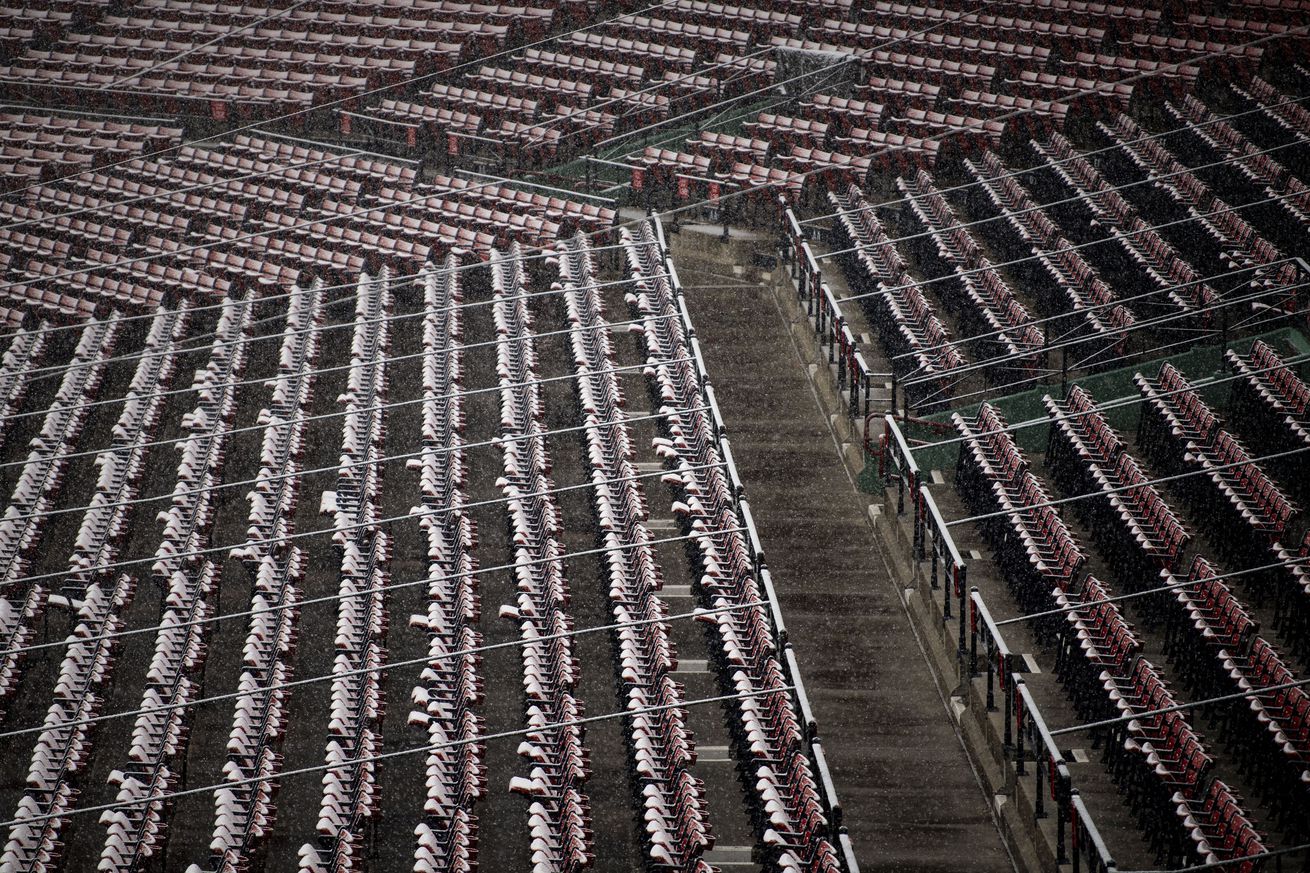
[910,799]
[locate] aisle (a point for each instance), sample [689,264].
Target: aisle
[872,692]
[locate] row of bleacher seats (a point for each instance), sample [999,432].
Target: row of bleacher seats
[988,304]
[190,225]
[39,147]
[98,598]
[1184,431]
[1159,760]
[906,319]
[792,826]
[1173,275]
[1055,33]
[687,173]
[34,494]
[1134,524]
[674,807]
[231,67]
[160,732]
[1242,244]
[561,839]
[1272,396]
[245,810]
[25,25]
[1226,142]
[20,358]
[452,684]
[1212,640]
[1288,114]
[1003,55]
[1080,290]
[350,797]
[760,23]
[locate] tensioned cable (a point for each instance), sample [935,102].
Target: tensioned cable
[359,671]
[697,613]
[342,413]
[1028,380]
[381,756]
[805,174]
[336,217]
[549,252]
[299,473]
[1062,342]
[382,88]
[1096,356]
[414,200]
[1145,592]
[1014,113]
[1212,468]
[1179,707]
[410,201]
[318,371]
[358,525]
[1041,207]
[1073,95]
[278,170]
[909,380]
[1116,403]
[1238,859]
[1096,307]
[199,186]
[391,586]
[274,14]
[400,279]
[964,186]
[1199,216]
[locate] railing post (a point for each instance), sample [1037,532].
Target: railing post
[1039,765]
[973,633]
[1003,669]
[857,382]
[1061,800]
[1016,684]
[946,597]
[921,522]
[900,495]
[1074,823]
[961,576]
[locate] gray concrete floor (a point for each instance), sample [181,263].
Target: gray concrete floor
[909,795]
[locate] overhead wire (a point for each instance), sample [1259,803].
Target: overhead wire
[319,371]
[412,80]
[355,285]
[911,380]
[1178,707]
[375,589]
[1011,385]
[664,413]
[772,86]
[1116,403]
[1011,174]
[427,659]
[1295,561]
[1118,489]
[166,796]
[268,232]
[1076,198]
